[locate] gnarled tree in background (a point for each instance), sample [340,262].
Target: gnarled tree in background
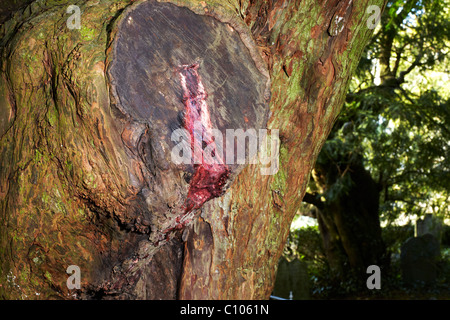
[87,117]
[386,155]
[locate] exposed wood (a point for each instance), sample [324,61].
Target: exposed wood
[83,180]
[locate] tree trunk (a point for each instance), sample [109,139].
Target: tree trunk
[349,219]
[86,176]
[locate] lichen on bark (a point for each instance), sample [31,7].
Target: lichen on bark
[66,192]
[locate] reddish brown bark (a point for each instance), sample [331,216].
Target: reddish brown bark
[84,181]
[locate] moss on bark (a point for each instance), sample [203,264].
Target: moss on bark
[65,192]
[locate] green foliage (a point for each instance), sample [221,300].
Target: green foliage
[395,236]
[396,121]
[305,244]
[396,117]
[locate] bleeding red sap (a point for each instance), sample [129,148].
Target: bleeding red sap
[210,174]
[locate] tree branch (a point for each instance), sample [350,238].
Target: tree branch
[399,52]
[311,198]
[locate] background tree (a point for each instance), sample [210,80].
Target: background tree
[388,152]
[72,159]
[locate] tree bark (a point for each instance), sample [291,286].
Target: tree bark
[74,157]
[11,6]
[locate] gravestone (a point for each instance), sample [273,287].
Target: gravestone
[292,277]
[418,259]
[429,224]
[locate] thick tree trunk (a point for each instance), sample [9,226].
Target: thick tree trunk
[349,221]
[84,173]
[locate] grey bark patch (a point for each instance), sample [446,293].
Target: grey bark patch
[154,40]
[152,44]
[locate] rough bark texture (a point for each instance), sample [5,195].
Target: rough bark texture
[208,80]
[10,6]
[67,189]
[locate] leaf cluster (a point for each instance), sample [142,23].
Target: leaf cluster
[396,119]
